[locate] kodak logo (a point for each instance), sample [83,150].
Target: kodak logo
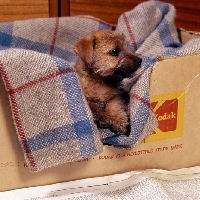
[166,114]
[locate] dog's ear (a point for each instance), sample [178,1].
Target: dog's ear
[85,47]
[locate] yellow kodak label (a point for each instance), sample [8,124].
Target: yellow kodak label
[169,110]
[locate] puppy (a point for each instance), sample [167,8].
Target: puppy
[104,61]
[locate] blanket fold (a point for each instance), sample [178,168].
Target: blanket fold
[53,121]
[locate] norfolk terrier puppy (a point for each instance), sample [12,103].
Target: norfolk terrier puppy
[104,61]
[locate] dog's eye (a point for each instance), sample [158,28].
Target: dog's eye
[115,52]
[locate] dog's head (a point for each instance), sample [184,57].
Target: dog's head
[106,53]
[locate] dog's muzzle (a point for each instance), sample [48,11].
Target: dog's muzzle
[137,62]
[126,68]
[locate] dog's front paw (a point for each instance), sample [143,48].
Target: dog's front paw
[121,125]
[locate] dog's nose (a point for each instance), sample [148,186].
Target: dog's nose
[137,62]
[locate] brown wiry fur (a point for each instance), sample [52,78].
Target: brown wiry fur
[104,60]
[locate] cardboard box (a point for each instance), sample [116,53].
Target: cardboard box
[175,98]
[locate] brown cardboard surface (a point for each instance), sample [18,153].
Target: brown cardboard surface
[175,86]
[187,35]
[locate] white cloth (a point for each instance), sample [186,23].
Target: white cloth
[182,184]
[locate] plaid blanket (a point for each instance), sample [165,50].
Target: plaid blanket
[53,121]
